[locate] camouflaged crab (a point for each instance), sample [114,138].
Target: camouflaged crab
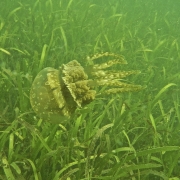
[57,93]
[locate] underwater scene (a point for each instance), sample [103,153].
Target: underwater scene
[89,90]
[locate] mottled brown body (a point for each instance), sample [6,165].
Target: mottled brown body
[56,94]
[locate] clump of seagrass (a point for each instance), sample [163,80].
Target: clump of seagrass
[57,93]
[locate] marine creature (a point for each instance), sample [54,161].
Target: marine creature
[56,93]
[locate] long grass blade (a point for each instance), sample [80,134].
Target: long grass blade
[5,51]
[165,88]
[6,168]
[43,54]
[65,39]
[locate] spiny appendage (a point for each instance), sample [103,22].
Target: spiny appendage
[113,74]
[109,64]
[76,80]
[114,83]
[115,86]
[72,72]
[110,78]
[99,55]
[123,89]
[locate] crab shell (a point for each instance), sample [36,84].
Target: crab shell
[56,94]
